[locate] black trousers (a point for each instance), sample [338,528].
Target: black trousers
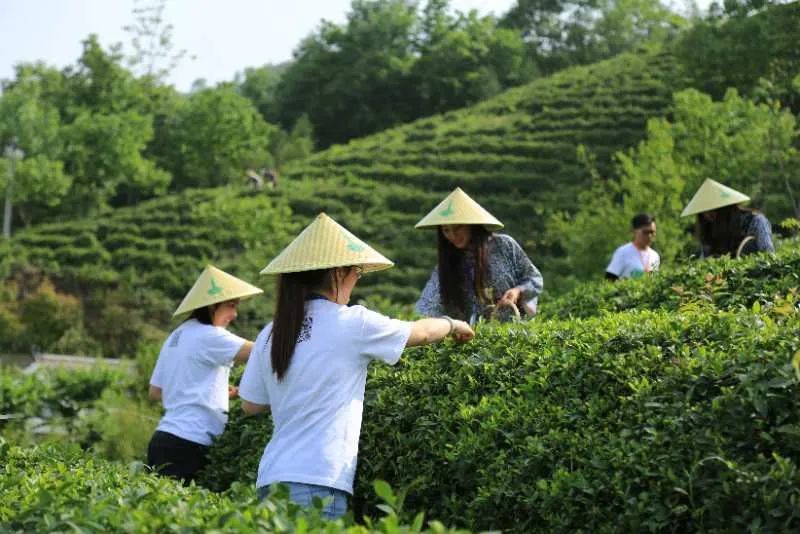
[176,457]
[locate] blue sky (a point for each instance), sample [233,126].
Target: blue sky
[225,36]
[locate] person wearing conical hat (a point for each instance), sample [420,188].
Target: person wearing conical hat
[191,375]
[479,270]
[723,226]
[309,365]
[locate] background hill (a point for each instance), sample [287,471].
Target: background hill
[517,153]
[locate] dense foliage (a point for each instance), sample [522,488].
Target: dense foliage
[680,420]
[715,284]
[131,267]
[98,409]
[751,147]
[144,258]
[60,489]
[392,62]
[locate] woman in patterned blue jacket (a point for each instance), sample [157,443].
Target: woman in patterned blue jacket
[723,227]
[478,270]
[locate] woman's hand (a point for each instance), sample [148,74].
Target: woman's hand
[511,296]
[233,392]
[462,332]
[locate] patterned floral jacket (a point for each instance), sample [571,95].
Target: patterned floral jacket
[509,267]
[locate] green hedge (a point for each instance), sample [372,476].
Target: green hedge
[723,284]
[51,392]
[61,489]
[630,422]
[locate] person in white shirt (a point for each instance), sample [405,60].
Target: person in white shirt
[191,375]
[309,365]
[634,259]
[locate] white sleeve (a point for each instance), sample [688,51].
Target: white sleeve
[157,378]
[253,386]
[382,338]
[656,263]
[219,346]
[617,264]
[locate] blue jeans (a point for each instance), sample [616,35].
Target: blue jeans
[303,494]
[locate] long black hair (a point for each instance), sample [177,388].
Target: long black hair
[452,290]
[290,309]
[722,235]
[204,315]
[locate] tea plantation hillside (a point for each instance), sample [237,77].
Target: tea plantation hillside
[515,153]
[670,420]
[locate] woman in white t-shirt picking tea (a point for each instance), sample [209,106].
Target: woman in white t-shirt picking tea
[191,374]
[634,259]
[309,366]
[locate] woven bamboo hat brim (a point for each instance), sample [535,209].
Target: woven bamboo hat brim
[215,286]
[325,244]
[459,208]
[713,195]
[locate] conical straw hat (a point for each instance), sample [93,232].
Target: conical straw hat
[713,195]
[459,208]
[214,286]
[324,244]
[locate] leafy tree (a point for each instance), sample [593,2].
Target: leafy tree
[110,116]
[736,141]
[294,145]
[106,155]
[390,64]
[259,85]
[755,54]
[215,135]
[562,33]
[153,53]
[32,124]
[467,60]
[349,79]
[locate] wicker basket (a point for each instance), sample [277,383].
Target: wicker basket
[493,309]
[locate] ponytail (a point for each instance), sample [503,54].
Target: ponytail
[290,309]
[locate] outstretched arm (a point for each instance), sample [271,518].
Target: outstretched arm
[433,329]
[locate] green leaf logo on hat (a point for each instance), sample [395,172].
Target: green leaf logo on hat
[459,208]
[448,211]
[355,247]
[214,289]
[213,286]
[713,195]
[325,244]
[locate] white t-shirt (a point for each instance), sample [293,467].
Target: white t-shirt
[317,407]
[192,371]
[630,262]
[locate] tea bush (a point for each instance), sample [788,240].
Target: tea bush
[61,489]
[99,409]
[634,421]
[720,283]
[60,391]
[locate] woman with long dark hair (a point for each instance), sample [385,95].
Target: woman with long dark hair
[723,227]
[479,270]
[309,365]
[191,374]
